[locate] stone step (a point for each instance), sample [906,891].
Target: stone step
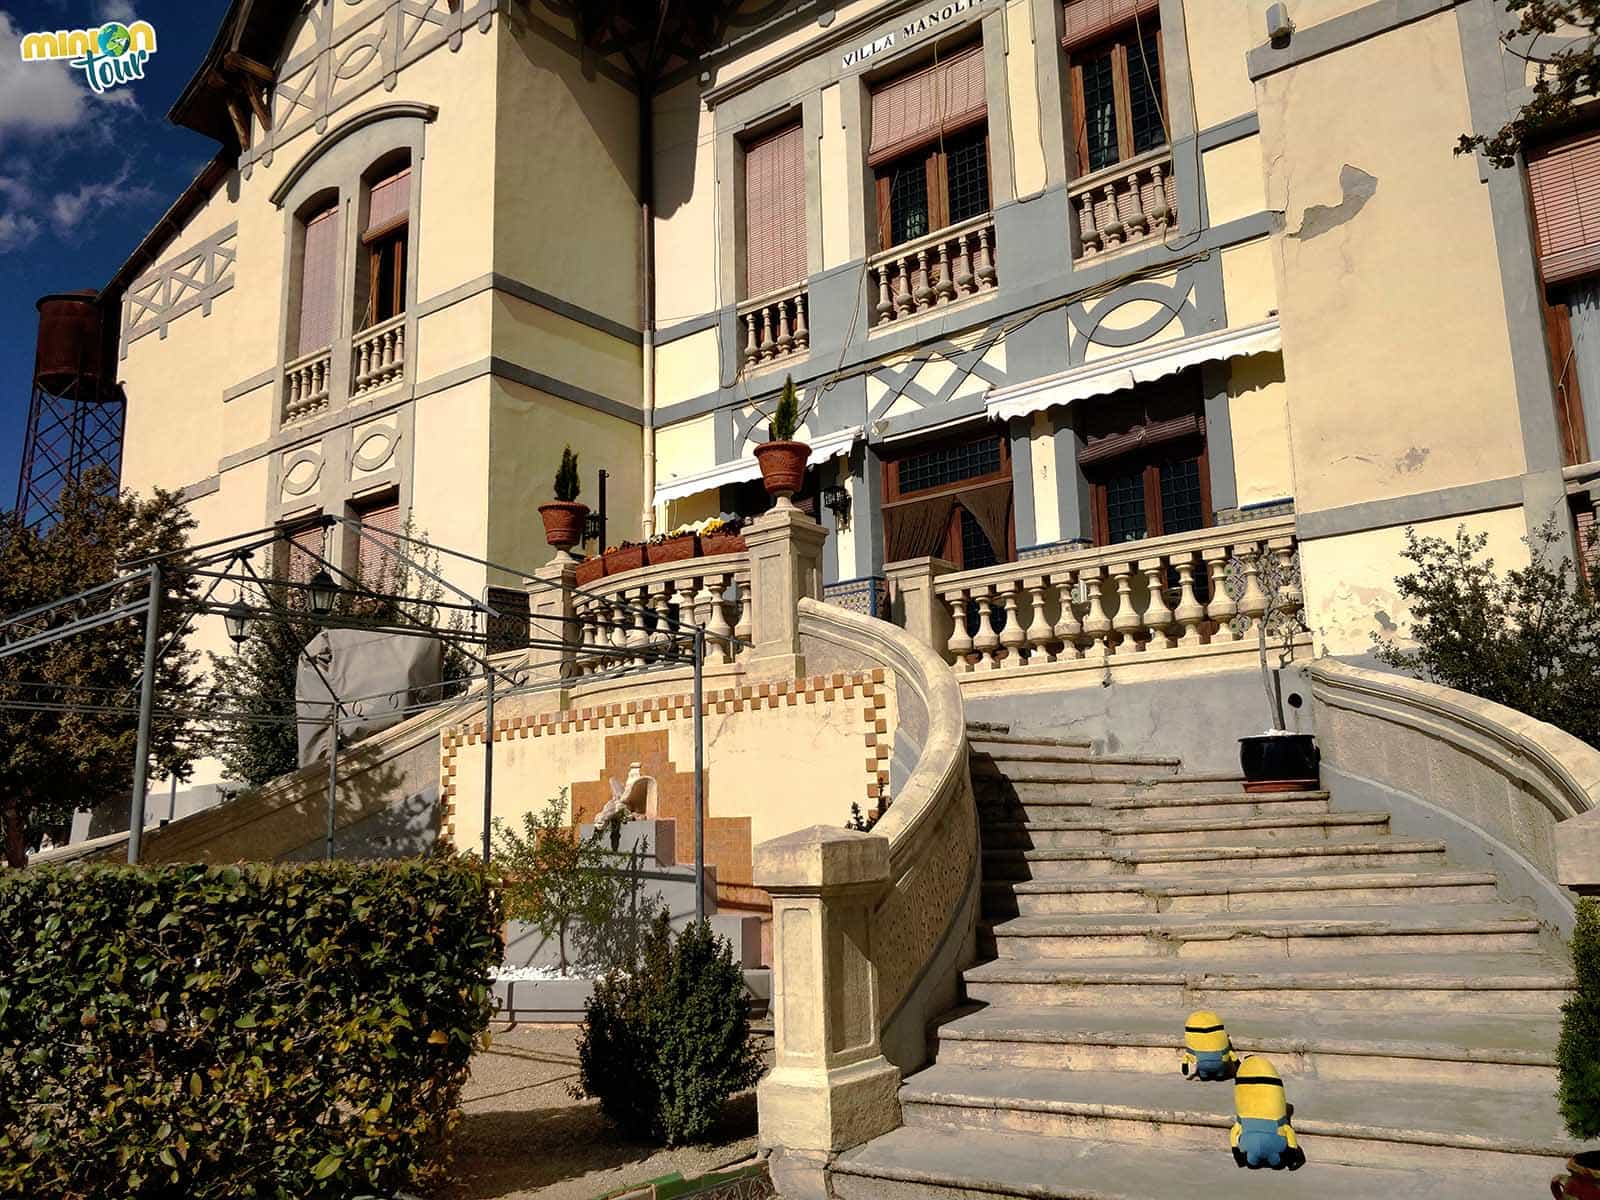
[977,727]
[1142,832]
[1224,804]
[1041,783]
[1234,894]
[1002,736]
[1221,937]
[1493,984]
[1038,764]
[1419,1049]
[1234,861]
[915,1163]
[1337,1121]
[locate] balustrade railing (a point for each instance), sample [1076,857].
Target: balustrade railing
[623,619]
[305,385]
[1207,588]
[1125,203]
[933,271]
[774,326]
[378,355]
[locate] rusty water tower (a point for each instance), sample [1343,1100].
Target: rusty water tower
[75,415]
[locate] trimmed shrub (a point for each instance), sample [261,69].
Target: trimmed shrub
[1578,1054]
[663,1047]
[240,1031]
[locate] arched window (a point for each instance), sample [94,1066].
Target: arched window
[385,242]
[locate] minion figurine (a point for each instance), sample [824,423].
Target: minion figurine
[1207,1053]
[1262,1135]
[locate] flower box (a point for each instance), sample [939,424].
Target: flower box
[673,549]
[590,569]
[624,558]
[722,543]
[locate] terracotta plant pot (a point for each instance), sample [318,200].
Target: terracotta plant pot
[783,466]
[625,558]
[1282,762]
[1582,1180]
[722,543]
[672,550]
[563,522]
[590,569]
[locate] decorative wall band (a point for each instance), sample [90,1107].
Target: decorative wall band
[1337,33]
[188,280]
[532,295]
[245,386]
[1408,510]
[204,487]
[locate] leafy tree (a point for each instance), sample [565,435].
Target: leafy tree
[1565,78]
[1528,638]
[1578,1053]
[53,762]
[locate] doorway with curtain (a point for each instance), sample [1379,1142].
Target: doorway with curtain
[950,498]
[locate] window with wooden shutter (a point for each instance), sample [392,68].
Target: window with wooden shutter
[1116,79]
[300,554]
[1564,181]
[319,280]
[380,522]
[951,498]
[387,242]
[775,211]
[1144,456]
[930,148]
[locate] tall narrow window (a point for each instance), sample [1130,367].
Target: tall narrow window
[380,522]
[386,242]
[775,211]
[319,280]
[930,148]
[1118,92]
[299,555]
[951,499]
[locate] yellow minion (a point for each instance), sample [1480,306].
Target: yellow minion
[1207,1053]
[1262,1135]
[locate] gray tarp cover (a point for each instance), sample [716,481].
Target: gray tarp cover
[385,667]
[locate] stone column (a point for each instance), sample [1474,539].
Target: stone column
[917,608]
[785,565]
[552,614]
[831,1088]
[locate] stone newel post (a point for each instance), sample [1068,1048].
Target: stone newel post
[917,608]
[831,1087]
[551,615]
[785,565]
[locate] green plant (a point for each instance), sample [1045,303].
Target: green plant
[1565,78]
[53,761]
[786,417]
[1527,638]
[555,878]
[663,1047]
[1578,1053]
[567,483]
[242,1031]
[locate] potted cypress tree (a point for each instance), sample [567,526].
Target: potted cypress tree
[1277,760]
[783,460]
[1578,1056]
[564,516]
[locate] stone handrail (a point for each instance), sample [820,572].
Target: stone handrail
[378,355]
[1499,786]
[1207,588]
[1124,203]
[934,270]
[625,611]
[305,384]
[774,326]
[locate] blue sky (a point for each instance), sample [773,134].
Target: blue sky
[82,176]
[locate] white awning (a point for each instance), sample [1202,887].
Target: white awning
[824,448]
[1107,375]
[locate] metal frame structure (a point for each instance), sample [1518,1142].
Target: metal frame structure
[142,593]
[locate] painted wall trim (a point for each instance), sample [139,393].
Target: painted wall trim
[192,278]
[1339,32]
[245,386]
[532,295]
[1459,501]
[683,329]
[399,109]
[504,368]
[204,487]
[1227,132]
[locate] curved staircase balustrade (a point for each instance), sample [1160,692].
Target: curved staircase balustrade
[1530,789]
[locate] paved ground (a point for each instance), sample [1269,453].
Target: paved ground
[523,1136]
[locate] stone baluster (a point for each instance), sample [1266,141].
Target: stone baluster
[1128,621]
[945,288]
[987,643]
[802,335]
[660,602]
[1135,224]
[718,628]
[766,333]
[785,330]
[1013,637]
[1110,223]
[885,309]
[596,637]
[364,366]
[903,303]
[619,631]
[986,273]
[399,349]
[741,626]
[1040,631]
[1096,624]
[1287,598]
[1253,604]
[1190,612]
[1160,210]
[924,292]
[1068,628]
[1157,613]
[1088,230]
[751,350]
[1222,608]
[960,644]
[638,638]
[965,280]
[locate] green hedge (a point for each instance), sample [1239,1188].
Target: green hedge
[282,1031]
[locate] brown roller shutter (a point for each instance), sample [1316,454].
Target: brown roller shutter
[1564,181]
[388,204]
[375,567]
[1102,448]
[301,555]
[319,270]
[775,212]
[1091,20]
[937,99]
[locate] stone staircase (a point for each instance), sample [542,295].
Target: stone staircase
[1412,1013]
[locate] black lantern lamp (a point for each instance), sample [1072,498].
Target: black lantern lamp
[236,619]
[323,590]
[836,499]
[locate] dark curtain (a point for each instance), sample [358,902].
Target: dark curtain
[991,509]
[917,529]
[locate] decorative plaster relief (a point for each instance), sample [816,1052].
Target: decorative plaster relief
[300,472]
[191,279]
[375,444]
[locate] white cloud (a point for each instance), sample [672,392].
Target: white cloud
[36,97]
[115,10]
[17,230]
[68,210]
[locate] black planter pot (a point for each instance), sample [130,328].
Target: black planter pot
[1273,762]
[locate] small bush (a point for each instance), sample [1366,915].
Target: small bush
[1578,1055]
[786,417]
[567,483]
[664,1047]
[260,1031]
